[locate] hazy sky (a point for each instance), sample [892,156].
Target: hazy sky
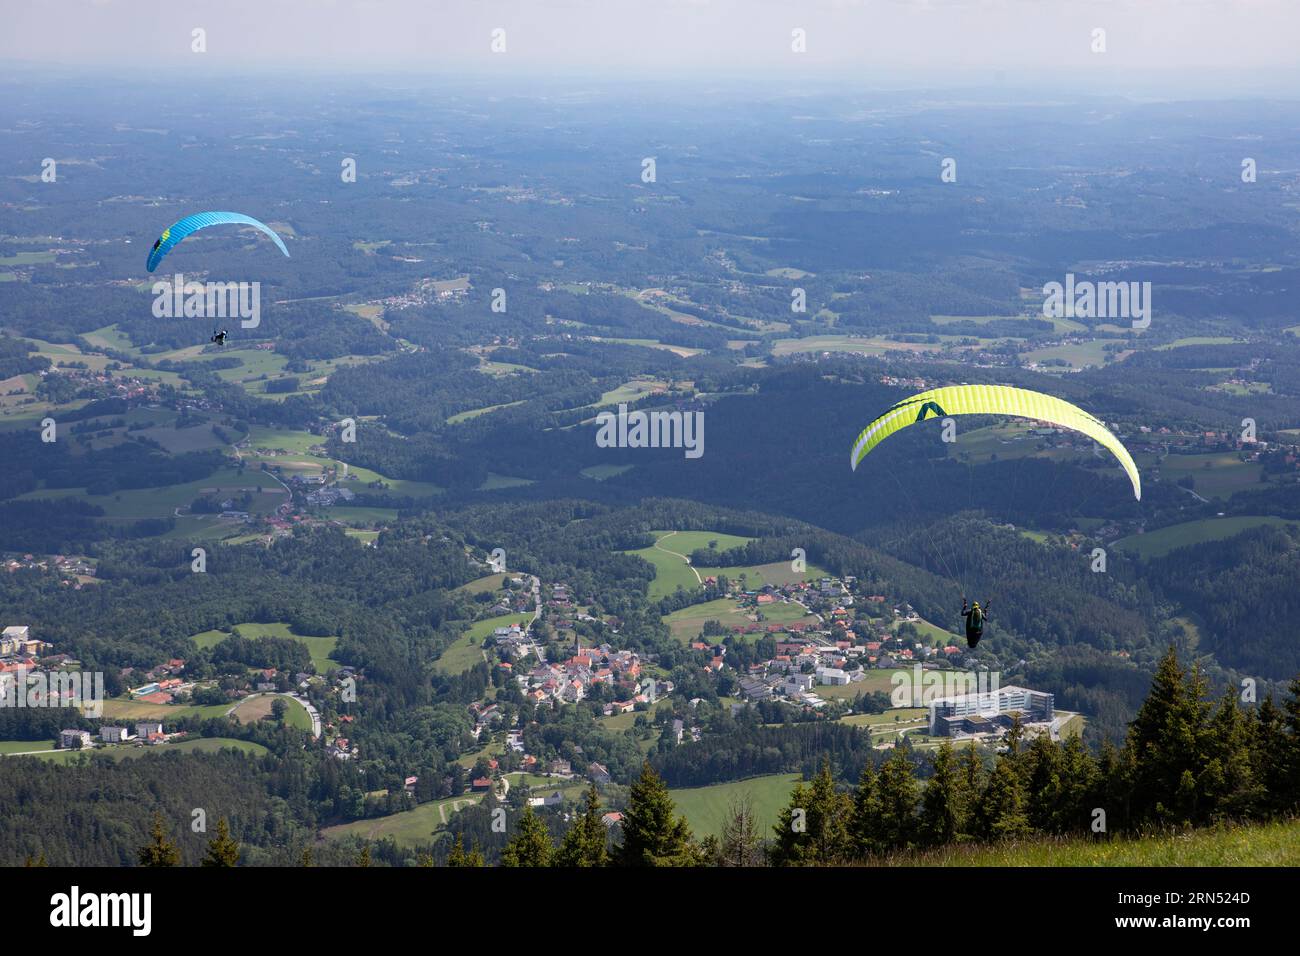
[869,38]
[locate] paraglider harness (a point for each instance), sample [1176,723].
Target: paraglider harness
[219,337]
[975,616]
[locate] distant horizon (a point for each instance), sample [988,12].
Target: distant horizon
[1165,85]
[1203,48]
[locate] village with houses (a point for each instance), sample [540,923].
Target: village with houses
[828,665]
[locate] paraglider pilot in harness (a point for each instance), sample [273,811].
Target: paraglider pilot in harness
[975,617]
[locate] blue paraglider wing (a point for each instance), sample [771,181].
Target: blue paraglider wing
[201,220]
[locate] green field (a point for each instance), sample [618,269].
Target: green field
[631,391]
[128,710]
[622,722]
[162,429]
[207,528]
[707,808]
[400,487]
[110,337]
[686,623]
[669,553]
[933,632]
[1272,844]
[1060,324]
[467,651]
[1004,441]
[1196,340]
[291,451]
[162,502]
[490,582]
[282,439]
[22,746]
[541,785]
[408,828]
[257,708]
[876,680]
[1215,474]
[296,716]
[131,751]
[887,722]
[360,515]
[27,258]
[832,343]
[681,350]
[777,573]
[1076,354]
[504,368]
[320,648]
[1158,543]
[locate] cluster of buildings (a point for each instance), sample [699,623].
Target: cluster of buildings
[512,601]
[799,666]
[147,733]
[73,571]
[28,660]
[835,649]
[107,384]
[19,648]
[426,291]
[571,680]
[329,496]
[337,744]
[163,684]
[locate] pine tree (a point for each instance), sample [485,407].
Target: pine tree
[790,833]
[740,844]
[530,845]
[1045,789]
[456,855]
[1269,747]
[864,820]
[813,829]
[708,852]
[1167,744]
[1081,791]
[1228,781]
[159,851]
[1014,737]
[222,850]
[898,796]
[828,818]
[653,834]
[970,776]
[1115,776]
[1289,754]
[1001,810]
[584,843]
[941,803]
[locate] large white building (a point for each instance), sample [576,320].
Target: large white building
[975,713]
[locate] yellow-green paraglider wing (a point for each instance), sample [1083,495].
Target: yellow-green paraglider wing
[992,400]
